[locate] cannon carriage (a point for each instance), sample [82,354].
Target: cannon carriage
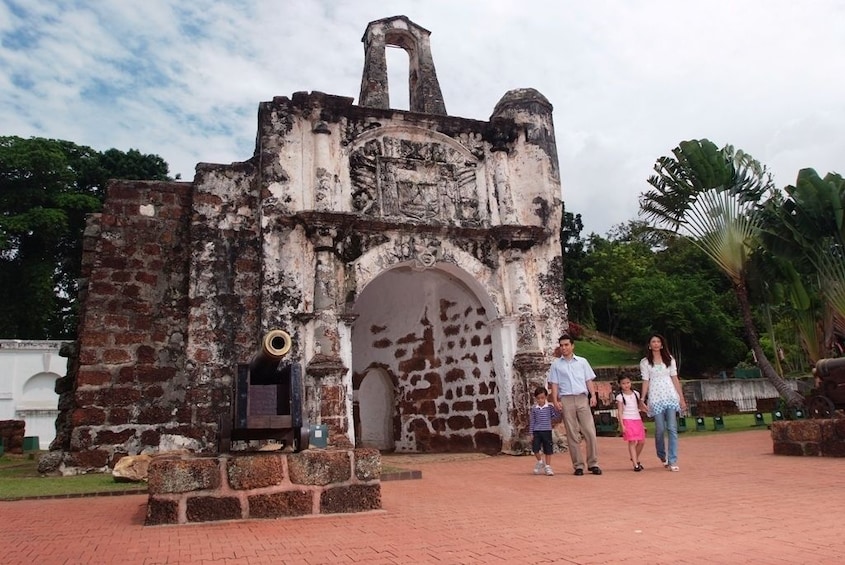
[267,399]
[828,396]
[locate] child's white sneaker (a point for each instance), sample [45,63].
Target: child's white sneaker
[549,471]
[538,468]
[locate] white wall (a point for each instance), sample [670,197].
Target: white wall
[28,373]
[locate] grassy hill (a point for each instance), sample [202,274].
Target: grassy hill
[604,351]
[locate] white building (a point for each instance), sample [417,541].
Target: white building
[28,373]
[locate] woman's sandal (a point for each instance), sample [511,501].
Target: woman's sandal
[673,468]
[639,467]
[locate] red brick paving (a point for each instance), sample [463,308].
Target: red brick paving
[732,502]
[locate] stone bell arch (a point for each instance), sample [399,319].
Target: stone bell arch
[424,89]
[182,279]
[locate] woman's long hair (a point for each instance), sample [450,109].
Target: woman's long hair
[664,352]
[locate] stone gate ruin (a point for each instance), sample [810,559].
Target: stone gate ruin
[408,253]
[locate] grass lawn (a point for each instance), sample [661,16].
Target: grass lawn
[733,423]
[19,478]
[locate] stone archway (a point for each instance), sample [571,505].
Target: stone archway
[376,407]
[432,334]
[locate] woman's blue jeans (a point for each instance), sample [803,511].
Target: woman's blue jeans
[666,423]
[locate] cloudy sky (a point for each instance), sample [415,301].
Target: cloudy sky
[629,79]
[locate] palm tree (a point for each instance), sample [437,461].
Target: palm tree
[814,218]
[712,196]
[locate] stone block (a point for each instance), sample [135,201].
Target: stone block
[109,437]
[811,448]
[153,415]
[183,475]
[145,355]
[119,416]
[123,396]
[832,429]
[116,356]
[804,430]
[459,423]
[88,417]
[132,468]
[352,498]
[90,459]
[255,471]
[488,442]
[787,448]
[367,464]
[780,431]
[281,504]
[213,508]
[162,512]
[319,467]
[150,437]
[833,445]
[486,405]
[91,377]
[463,405]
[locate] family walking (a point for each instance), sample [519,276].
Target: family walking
[573,395]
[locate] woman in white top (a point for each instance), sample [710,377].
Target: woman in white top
[664,397]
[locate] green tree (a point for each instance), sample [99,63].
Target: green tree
[578,298]
[47,188]
[713,195]
[608,266]
[807,231]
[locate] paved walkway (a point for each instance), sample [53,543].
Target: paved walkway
[732,502]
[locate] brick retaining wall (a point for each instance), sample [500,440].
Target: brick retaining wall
[12,433]
[186,489]
[824,438]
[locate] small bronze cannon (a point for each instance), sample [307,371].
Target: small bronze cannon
[829,392]
[267,399]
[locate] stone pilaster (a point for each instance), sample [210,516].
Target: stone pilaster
[530,371]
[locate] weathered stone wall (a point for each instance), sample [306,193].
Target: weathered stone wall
[267,485]
[131,387]
[823,437]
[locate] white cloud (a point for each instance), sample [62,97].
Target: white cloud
[628,79]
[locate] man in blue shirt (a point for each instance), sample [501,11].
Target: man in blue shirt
[574,394]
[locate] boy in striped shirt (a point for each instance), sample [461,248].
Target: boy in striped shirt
[540,425]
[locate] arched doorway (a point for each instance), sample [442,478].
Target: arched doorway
[375,408]
[428,333]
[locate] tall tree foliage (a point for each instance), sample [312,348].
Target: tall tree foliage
[578,297]
[47,188]
[807,228]
[713,196]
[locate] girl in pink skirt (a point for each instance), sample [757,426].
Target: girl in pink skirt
[628,405]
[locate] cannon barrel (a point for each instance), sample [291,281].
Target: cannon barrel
[270,356]
[828,367]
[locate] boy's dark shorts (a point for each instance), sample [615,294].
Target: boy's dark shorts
[542,438]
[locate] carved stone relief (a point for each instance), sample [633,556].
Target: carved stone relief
[420,181]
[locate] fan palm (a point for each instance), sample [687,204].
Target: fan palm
[712,196]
